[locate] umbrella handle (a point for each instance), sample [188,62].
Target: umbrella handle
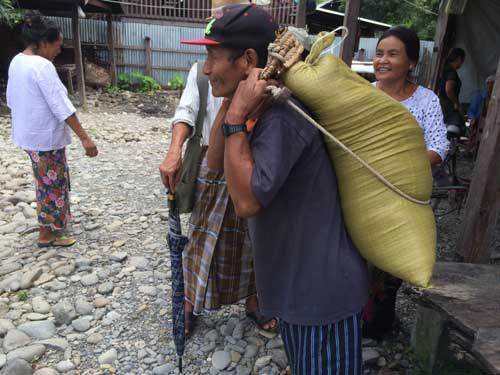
[171,200]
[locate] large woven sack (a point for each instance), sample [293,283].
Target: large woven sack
[391,232]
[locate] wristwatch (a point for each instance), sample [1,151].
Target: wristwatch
[228,129]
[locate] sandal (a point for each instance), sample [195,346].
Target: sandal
[262,320]
[189,323]
[61,241]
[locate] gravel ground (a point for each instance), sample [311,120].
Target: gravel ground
[103,306]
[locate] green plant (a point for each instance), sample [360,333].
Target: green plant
[124,81]
[22,295]
[110,89]
[9,15]
[176,83]
[146,83]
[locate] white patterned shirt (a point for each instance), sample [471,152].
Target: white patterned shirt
[188,107]
[39,104]
[424,106]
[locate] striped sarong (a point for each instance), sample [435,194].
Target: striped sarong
[333,349]
[218,259]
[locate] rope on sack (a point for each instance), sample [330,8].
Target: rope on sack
[278,92]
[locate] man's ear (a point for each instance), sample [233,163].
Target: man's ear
[251,59]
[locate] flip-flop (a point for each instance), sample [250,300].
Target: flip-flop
[262,320]
[61,241]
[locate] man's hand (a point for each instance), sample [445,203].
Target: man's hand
[90,147]
[249,96]
[171,167]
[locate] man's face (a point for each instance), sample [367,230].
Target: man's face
[224,71]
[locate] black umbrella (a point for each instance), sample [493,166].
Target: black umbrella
[176,243]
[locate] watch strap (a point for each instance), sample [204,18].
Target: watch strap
[229,129]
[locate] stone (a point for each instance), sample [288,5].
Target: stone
[238,331]
[82,324]
[118,243]
[381,362]
[30,277]
[5,326]
[90,279]
[65,270]
[114,225]
[46,371]
[106,288]
[3,360]
[118,256]
[65,366]
[167,369]
[64,312]
[370,356]
[17,366]
[148,290]
[35,316]
[15,339]
[55,343]
[279,357]
[5,269]
[221,360]
[95,338]
[235,357]
[83,307]
[275,343]
[212,335]
[251,351]
[141,263]
[263,361]
[101,302]
[108,357]
[28,353]
[41,330]
[242,370]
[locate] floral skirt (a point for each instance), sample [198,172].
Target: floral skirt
[52,188]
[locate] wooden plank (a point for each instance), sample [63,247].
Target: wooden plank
[438,51]
[301,14]
[482,207]
[155,67]
[75,23]
[351,16]
[111,48]
[147,55]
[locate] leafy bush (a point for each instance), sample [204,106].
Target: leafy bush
[124,81]
[110,89]
[9,15]
[176,83]
[22,295]
[146,83]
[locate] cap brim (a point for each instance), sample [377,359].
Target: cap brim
[201,42]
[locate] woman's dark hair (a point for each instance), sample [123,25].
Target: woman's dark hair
[37,29]
[409,39]
[454,54]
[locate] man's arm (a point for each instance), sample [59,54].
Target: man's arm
[238,160]
[171,166]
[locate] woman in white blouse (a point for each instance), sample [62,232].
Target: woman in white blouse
[396,56]
[42,116]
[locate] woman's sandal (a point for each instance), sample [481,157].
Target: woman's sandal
[61,241]
[262,320]
[189,323]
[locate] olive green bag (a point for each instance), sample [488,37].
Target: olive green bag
[186,188]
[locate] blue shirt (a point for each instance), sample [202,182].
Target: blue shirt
[476,105]
[307,269]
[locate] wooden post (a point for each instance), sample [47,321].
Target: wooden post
[351,15]
[438,51]
[147,56]
[482,207]
[75,23]
[301,14]
[111,48]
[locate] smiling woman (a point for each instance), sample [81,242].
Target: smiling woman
[396,56]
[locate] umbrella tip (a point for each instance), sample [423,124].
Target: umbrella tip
[180,365]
